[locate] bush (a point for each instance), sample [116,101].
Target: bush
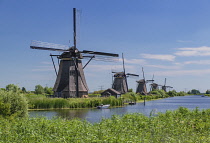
[172,93]
[181,93]
[13,104]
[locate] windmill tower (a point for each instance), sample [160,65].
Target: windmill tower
[120,83]
[70,81]
[153,86]
[164,87]
[141,85]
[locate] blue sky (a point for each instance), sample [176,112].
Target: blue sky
[169,38]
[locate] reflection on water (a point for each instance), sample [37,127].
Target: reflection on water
[95,115]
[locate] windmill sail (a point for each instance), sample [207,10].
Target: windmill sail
[70,81]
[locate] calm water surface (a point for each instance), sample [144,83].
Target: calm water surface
[95,115]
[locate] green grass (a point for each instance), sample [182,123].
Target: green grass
[182,126]
[42,102]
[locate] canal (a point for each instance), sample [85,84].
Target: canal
[151,107]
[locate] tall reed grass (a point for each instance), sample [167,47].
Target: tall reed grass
[42,102]
[181,126]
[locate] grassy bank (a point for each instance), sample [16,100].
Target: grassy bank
[181,125]
[42,102]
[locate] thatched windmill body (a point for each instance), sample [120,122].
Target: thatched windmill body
[70,81]
[120,83]
[141,85]
[164,87]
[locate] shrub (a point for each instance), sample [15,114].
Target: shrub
[13,104]
[172,93]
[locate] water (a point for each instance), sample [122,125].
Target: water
[95,115]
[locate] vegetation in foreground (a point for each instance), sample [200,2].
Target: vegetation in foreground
[181,125]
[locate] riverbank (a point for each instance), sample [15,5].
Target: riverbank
[43,102]
[182,125]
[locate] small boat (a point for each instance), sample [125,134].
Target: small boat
[132,103]
[103,106]
[203,96]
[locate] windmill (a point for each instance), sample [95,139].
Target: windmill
[141,85]
[120,83]
[70,80]
[164,87]
[153,86]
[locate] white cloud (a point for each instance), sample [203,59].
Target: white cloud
[134,61]
[164,67]
[159,57]
[200,62]
[199,51]
[183,72]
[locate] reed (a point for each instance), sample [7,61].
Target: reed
[181,125]
[43,102]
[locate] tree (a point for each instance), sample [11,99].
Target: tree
[195,91]
[23,89]
[130,90]
[207,91]
[12,87]
[48,90]
[172,93]
[39,89]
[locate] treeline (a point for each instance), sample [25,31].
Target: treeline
[38,89]
[155,94]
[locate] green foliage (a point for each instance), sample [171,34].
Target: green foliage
[98,92]
[48,90]
[172,93]
[194,91]
[42,102]
[39,89]
[130,90]
[181,125]
[12,87]
[207,91]
[23,89]
[181,93]
[94,95]
[13,104]
[2,89]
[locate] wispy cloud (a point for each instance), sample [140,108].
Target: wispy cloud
[198,51]
[134,61]
[164,66]
[183,72]
[184,41]
[199,62]
[159,57]
[97,68]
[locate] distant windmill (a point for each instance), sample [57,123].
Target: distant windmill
[164,87]
[141,85]
[70,81]
[120,83]
[153,86]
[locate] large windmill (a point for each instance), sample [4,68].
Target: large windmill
[70,81]
[141,85]
[164,87]
[120,83]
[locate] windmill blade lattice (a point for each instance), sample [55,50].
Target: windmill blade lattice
[48,46]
